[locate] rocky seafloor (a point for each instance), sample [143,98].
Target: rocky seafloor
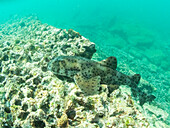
[33,97]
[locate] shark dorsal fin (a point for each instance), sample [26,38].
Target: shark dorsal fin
[136,78]
[110,62]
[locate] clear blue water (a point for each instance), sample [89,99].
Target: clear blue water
[143,25]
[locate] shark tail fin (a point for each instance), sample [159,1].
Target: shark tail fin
[136,78]
[146,98]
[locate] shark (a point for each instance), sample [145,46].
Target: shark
[89,74]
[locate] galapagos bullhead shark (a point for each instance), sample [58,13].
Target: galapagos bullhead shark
[89,74]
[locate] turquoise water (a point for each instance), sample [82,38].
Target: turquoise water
[153,14]
[139,29]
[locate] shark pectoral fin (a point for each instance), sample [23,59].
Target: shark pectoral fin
[88,86]
[110,62]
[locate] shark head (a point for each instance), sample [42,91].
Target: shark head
[58,66]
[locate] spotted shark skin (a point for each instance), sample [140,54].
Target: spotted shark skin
[89,74]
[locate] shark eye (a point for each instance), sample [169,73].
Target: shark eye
[61,61]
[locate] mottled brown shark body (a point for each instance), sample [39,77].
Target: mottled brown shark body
[89,74]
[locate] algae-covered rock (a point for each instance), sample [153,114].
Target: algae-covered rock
[33,93]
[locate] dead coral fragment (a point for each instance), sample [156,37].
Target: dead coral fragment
[63,121]
[73,33]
